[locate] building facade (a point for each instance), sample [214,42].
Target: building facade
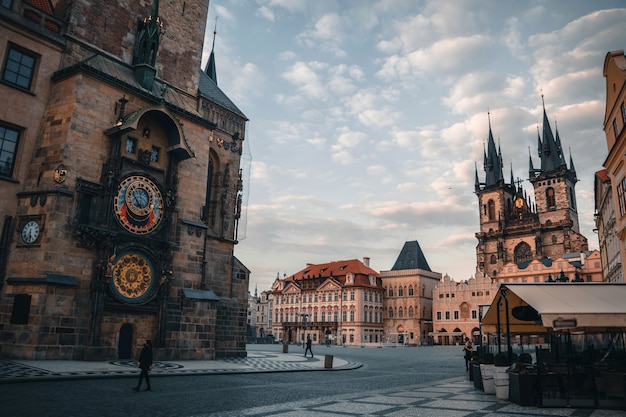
[457,308]
[608,240]
[408,298]
[339,302]
[615,163]
[571,267]
[121,190]
[514,227]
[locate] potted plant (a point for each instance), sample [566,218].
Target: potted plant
[501,375]
[521,381]
[486,371]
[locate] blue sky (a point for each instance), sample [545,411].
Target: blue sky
[367,118]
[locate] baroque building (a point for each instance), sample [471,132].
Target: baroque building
[122,189]
[336,302]
[609,228]
[517,228]
[408,300]
[457,308]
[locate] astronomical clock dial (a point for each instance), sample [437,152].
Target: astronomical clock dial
[138,205]
[132,278]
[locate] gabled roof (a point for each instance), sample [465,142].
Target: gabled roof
[411,257]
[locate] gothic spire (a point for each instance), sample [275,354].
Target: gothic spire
[210,65]
[550,156]
[493,161]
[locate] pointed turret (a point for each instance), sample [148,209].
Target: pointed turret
[476,181]
[146,47]
[210,65]
[550,156]
[493,161]
[571,163]
[531,168]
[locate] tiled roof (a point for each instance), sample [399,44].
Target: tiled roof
[411,257]
[210,90]
[46,7]
[338,270]
[603,175]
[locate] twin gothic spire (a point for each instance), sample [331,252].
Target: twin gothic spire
[549,149]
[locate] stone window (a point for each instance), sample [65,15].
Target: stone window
[19,67]
[491,208]
[9,140]
[550,199]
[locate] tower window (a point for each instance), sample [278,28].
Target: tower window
[523,253]
[492,210]
[9,139]
[550,199]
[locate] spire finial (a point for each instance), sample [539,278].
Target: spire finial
[214,33]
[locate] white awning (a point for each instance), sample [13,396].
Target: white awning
[559,306]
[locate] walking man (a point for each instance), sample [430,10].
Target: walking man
[145,364]
[308,346]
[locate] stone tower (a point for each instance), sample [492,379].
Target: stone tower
[517,227]
[122,216]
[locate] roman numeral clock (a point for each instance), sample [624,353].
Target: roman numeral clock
[138,208]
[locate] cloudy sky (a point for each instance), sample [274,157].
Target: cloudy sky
[367,118]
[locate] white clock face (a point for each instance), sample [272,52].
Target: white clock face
[30,231]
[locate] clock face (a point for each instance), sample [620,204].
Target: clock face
[30,232]
[519,203]
[138,205]
[132,277]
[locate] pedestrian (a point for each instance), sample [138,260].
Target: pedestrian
[308,346]
[467,349]
[145,364]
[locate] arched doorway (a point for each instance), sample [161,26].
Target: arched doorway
[125,342]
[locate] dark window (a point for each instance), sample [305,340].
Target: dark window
[21,309]
[154,154]
[8,147]
[550,200]
[131,145]
[624,114]
[6,3]
[19,67]
[492,210]
[615,129]
[621,196]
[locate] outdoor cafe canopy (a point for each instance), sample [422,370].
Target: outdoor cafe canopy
[537,308]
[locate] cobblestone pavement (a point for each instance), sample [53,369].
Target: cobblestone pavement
[12,371]
[454,397]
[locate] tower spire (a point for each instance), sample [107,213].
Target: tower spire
[493,161]
[210,65]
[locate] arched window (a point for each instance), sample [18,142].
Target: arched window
[400,313]
[491,208]
[390,312]
[390,291]
[523,253]
[410,290]
[493,259]
[411,312]
[400,292]
[550,199]
[572,198]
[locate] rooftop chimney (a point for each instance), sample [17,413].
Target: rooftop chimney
[366,261]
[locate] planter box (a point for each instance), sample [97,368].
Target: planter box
[486,370]
[501,382]
[522,388]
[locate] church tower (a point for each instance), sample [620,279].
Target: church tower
[554,187]
[517,228]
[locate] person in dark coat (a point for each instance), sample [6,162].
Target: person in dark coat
[145,364]
[308,346]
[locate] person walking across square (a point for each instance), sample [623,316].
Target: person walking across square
[308,346]
[145,364]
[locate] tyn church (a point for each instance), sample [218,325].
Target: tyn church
[517,228]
